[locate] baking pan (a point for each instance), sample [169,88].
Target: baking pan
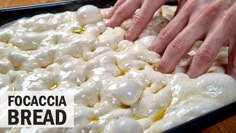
[206,120]
[194,125]
[11,14]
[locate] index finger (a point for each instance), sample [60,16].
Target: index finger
[116,6]
[142,18]
[123,12]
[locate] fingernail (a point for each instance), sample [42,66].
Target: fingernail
[108,23]
[154,45]
[232,72]
[234,76]
[160,68]
[164,67]
[191,74]
[127,36]
[150,48]
[106,16]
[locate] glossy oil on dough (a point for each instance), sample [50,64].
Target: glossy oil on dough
[113,80]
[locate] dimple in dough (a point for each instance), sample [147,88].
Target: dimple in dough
[113,80]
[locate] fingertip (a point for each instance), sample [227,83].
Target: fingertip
[194,71]
[231,67]
[127,36]
[130,36]
[159,69]
[232,72]
[233,75]
[113,9]
[110,13]
[151,47]
[107,16]
[192,75]
[155,46]
[163,67]
[110,23]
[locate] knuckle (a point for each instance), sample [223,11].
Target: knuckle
[119,2]
[207,10]
[164,33]
[204,56]
[190,5]
[119,13]
[177,46]
[138,19]
[228,17]
[210,9]
[225,18]
[192,2]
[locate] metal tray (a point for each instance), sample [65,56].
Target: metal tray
[195,125]
[13,13]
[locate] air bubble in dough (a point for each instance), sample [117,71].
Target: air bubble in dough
[126,125]
[88,15]
[127,91]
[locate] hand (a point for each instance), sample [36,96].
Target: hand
[124,9]
[213,21]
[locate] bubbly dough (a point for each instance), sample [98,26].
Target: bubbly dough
[113,80]
[88,14]
[126,125]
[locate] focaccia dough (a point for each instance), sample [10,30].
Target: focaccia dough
[113,81]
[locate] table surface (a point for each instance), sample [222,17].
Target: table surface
[226,126]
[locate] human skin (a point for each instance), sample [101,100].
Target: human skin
[211,21]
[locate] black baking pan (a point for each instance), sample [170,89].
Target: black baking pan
[206,120]
[13,13]
[10,14]
[195,125]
